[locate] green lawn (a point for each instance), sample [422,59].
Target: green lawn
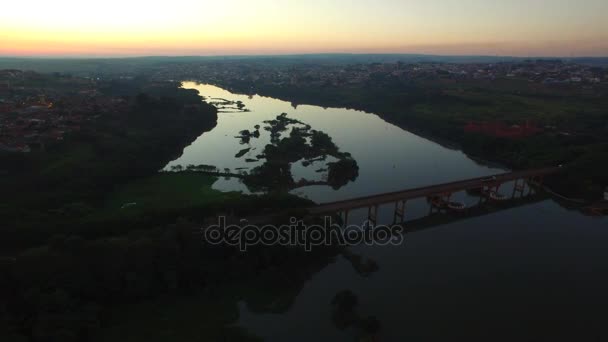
[169,191]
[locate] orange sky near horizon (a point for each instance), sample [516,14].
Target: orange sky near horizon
[224,27]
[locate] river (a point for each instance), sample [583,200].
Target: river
[534,264]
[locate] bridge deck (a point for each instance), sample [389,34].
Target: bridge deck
[392,197]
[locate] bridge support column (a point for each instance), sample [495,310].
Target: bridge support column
[531,189]
[432,206]
[399,215]
[429,200]
[535,183]
[519,188]
[486,190]
[445,201]
[482,195]
[372,214]
[497,187]
[344,217]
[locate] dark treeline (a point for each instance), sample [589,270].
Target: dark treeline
[117,66]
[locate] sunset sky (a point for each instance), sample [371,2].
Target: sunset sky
[200,27]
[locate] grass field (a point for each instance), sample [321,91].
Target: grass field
[169,191]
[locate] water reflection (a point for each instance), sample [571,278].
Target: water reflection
[389,158]
[463,278]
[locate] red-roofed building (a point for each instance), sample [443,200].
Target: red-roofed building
[500,129]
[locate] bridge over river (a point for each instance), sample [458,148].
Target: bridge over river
[487,188]
[439,195]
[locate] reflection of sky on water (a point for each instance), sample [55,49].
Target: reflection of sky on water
[389,158]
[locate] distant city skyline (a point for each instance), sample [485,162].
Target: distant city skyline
[563,28]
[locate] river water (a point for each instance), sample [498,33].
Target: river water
[528,270]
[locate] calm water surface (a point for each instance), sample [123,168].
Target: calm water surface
[389,157]
[529,269]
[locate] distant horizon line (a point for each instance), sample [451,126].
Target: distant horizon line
[295,55]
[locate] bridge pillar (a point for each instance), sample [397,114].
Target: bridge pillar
[497,187]
[399,215]
[534,183]
[344,217]
[519,188]
[447,197]
[482,195]
[372,214]
[432,207]
[485,193]
[487,190]
[531,189]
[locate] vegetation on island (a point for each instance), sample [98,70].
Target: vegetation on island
[302,144]
[227,106]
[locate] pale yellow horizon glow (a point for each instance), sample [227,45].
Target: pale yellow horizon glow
[222,27]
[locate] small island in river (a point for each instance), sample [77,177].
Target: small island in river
[302,144]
